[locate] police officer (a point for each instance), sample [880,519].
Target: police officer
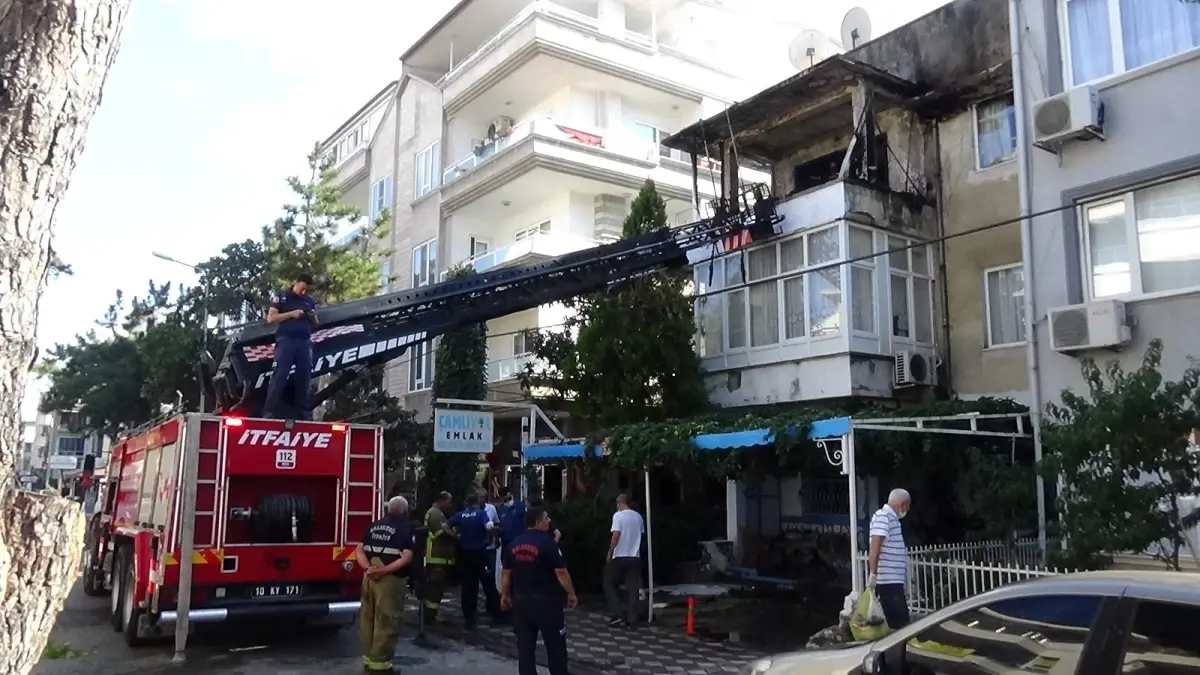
[473,527]
[439,556]
[384,555]
[293,313]
[534,584]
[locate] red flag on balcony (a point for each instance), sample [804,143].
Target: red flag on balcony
[734,242]
[581,136]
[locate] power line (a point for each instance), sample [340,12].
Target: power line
[871,256]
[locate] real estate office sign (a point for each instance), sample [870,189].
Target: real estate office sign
[466,431]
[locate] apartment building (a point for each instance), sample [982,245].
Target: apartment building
[875,154]
[55,447]
[519,131]
[1109,91]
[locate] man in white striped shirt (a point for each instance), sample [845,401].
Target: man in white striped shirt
[887,561]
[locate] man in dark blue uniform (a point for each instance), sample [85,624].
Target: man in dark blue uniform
[534,584]
[473,528]
[293,313]
[384,555]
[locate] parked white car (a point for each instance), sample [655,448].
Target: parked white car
[1092,623]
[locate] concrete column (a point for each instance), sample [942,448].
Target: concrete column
[610,217]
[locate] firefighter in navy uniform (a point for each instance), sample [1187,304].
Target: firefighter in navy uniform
[472,527]
[293,313]
[385,554]
[534,585]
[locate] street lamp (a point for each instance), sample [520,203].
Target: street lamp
[204,315]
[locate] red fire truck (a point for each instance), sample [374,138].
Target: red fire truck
[246,517]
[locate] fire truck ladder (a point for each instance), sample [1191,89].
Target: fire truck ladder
[355,335]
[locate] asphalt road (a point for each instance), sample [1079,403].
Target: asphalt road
[94,648]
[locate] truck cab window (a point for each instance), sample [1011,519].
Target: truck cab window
[1039,634]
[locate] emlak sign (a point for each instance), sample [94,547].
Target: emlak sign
[466,431]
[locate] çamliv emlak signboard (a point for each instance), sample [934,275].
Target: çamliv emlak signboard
[466,431]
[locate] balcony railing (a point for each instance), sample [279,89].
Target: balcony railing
[540,126]
[546,8]
[549,245]
[508,368]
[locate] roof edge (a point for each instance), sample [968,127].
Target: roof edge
[435,28]
[388,88]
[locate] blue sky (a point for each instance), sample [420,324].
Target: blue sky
[212,103]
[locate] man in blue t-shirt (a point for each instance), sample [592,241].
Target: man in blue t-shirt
[293,313]
[513,524]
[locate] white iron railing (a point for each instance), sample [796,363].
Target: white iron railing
[548,244]
[1023,552]
[939,578]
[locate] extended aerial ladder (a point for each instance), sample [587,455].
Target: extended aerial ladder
[356,335]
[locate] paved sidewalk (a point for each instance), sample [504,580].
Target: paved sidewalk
[594,647]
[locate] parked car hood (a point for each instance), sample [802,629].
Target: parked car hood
[833,660]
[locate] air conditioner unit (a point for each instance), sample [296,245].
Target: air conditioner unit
[501,127]
[1101,324]
[911,369]
[1072,115]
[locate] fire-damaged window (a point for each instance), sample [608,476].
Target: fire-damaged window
[817,172]
[866,164]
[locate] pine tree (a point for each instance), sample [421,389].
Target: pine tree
[627,354]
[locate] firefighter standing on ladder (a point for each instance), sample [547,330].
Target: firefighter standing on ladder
[384,554]
[293,313]
[440,549]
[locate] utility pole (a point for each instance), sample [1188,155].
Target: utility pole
[203,315]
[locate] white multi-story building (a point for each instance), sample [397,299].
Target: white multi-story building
[520,131]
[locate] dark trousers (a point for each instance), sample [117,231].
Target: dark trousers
[534,615]
[473,565]
[627,571]
[291,352]
[894,603]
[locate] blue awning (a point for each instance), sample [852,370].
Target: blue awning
[835,427]
[544,452]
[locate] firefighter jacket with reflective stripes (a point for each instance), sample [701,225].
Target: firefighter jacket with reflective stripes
[387,539]
[440,548]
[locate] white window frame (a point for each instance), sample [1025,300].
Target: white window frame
[520,343]
[909,276]
[975,133]
[420,367]
[381,202]
[429,274]
[989,342]
[1131,241]
[473,244]
[1116,44]
[427,170]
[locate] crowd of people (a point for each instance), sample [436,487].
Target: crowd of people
[507,549]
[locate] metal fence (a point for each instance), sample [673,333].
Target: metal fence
[1020,552]
[939,576]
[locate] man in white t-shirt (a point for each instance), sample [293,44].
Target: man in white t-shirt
[624,564]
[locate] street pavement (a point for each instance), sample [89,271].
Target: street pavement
[83,627]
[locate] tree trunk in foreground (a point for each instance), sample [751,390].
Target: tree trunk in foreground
[54,57]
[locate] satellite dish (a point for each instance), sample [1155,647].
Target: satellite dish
[810,48]
[856,28]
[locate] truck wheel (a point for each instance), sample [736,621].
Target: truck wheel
[271,521]
[131,614]
[117,607]
[93,581]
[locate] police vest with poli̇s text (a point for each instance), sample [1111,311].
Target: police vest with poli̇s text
[387,539]
[440,547]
